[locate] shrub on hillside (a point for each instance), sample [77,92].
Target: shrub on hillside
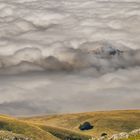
[85,126]
[103,134]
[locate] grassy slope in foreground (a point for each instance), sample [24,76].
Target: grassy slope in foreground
[133,138]
[20,127]
[110,122]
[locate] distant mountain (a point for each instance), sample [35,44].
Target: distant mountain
[103,48]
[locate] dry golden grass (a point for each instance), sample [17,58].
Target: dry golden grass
[26,128]
[109,122]
[54,127]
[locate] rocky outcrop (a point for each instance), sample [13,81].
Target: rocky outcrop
[119,136]
[135,132]
[6,135]
[125,135]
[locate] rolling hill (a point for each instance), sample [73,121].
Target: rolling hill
[110,122]
[20,127]
[66,126]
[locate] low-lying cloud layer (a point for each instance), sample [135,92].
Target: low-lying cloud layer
[101,60]
[69,56]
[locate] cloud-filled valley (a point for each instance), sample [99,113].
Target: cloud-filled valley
[61,56]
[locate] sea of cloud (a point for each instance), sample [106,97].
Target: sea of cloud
[61,56]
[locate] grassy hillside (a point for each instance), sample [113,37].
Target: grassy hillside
[20,127]
[64,134]
[133,138]
[110,122]
[56,127]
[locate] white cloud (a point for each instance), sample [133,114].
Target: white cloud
[60,54]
